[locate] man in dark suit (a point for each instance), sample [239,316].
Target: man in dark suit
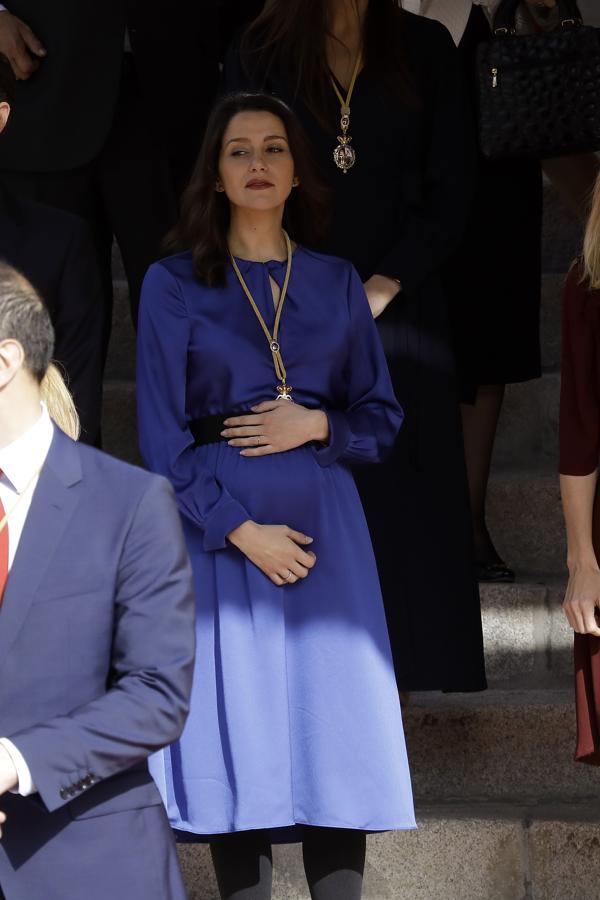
[112,101]
[96,645]
[54,250]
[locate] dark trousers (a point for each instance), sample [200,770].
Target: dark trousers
[334,860]
[126,192]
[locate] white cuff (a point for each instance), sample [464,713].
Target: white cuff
[3,8]
[25,786]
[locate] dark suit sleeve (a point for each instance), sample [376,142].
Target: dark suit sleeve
[152,659]
[431,230]
[78,323]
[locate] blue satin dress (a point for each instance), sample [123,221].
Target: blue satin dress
[295,718]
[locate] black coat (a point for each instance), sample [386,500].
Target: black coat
[63,113]
[53,249]
[400,212]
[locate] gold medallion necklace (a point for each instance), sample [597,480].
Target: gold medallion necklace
[344,155]
[283,389]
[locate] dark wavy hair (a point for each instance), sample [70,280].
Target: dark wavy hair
[289,39]
[205,212]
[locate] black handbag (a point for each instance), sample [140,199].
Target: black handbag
[539,94]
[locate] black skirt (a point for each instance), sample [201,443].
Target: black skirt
[493,281]
[417,509]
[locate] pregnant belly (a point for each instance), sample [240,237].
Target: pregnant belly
[283,488]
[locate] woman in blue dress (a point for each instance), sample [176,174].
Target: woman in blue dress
[295,727]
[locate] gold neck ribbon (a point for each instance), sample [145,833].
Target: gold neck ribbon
[284,390]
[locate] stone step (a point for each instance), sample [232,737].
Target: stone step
[507,746]
[525,519]
[463,852]
[528,642]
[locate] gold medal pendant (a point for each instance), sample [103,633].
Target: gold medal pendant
[284,392]
[344,155]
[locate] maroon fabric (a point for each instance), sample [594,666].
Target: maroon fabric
[579,452]
[587,694]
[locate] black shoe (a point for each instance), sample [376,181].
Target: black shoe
[494,573]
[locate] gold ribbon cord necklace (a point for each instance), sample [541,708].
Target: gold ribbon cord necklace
[344,155]
[283,389]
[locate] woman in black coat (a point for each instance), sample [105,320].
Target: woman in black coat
[397,214]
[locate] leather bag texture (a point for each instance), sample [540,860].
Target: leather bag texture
[539,94]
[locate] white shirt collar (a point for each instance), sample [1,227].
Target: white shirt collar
[24,457]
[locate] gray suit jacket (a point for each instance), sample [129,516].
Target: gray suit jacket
[96,654]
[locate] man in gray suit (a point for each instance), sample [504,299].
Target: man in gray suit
[96,645]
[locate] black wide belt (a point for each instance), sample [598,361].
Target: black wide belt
[208,429]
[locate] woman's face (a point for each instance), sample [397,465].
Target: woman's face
[256,169]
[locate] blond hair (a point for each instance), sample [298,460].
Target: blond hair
[25,318]
[59,401]
[591,242]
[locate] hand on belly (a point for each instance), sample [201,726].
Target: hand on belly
[276,426]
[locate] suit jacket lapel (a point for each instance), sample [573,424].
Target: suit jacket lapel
[54,500]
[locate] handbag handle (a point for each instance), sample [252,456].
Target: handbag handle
[504,19]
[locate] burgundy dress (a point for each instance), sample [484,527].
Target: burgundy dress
[579,453]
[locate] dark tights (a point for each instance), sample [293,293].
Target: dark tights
[334,860]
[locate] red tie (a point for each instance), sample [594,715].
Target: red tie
[3,551]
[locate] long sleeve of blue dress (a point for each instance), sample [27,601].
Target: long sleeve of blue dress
[365,430]
[166,442]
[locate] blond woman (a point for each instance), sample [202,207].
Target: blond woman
[579,450]
[58,399]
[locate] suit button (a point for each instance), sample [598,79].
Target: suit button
[64,793]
